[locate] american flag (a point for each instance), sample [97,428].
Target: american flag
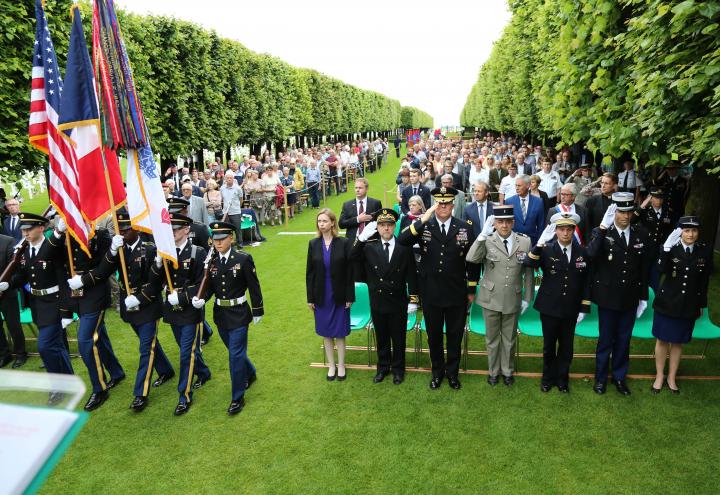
[44,135]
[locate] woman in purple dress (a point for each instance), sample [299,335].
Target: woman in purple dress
[330,289]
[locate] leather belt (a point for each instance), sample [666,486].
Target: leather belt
[44,292]
[230,302]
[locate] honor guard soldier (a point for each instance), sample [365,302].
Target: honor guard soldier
[563,297]
[621,254]
[184,319]
[232,274]
[506,289]
[446,281]
[41,267]
[654,216]
[89,299]
[142,308]
[392,281]
[198,235]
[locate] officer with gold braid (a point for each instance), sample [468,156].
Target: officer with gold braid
[232,274]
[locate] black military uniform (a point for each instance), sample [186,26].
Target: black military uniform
[392,284]
[676,190]
[659,225]
[445,281]
[562,295]
[10,308]
[232,274]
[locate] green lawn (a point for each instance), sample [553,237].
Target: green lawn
[301,434]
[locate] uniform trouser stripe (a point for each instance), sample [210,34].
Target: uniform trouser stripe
[150,363]
[191,368]
[96,354]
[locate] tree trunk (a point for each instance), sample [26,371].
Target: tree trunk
[704,202]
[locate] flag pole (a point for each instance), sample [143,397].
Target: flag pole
[121,252]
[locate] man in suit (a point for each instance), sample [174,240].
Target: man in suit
[528,209]
[479,209]
[567,205]
[621,254]
[562,299]
[10,308]
[415,189]
[358,212]
[447,283]
[597,205]
[392,281]
[457,181]
[11,222]
[196,207]
[506,289]
[459,201]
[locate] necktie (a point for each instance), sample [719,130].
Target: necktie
[387,251]
[658,214]
[481,215]
[506,246]
[361,210]
[442,229]
[623,239]
[32,253]
[414,191]
[687,250]
[524,208]
[625,182]
[12,224]
[222,261]
[565,253]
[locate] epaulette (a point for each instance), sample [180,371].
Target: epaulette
[469,222]
[521,234]
[148,244]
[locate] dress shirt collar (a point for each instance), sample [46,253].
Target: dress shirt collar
[180,248]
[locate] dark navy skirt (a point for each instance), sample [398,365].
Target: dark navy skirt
[672,330]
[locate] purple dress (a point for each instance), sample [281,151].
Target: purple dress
[331,320]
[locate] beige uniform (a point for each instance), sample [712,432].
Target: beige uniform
[499,294]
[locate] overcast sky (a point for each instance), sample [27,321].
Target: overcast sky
[424,53]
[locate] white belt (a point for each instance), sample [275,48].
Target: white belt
[230,302]
[44,292]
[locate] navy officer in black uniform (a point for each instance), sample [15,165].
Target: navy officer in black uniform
[621,254]
[562,299]
[655,217]
[686,265]
[232,274]
[142,308]
[184,319]
[392,281]
[447,283]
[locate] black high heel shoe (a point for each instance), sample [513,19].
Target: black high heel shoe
[674,391]
[332,377]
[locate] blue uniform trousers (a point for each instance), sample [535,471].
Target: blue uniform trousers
[53,352]
[151,356]
[191,361]
[207,330]
[615,332]
[96,350]
[241,369]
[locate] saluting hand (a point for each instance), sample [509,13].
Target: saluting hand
[488,228]
[367,232]
[609,217]
[547,235]
[428,213]
[672,239]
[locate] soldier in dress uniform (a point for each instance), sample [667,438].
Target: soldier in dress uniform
[506,289]
[142,308]
[676,190]
[41,266]
[447,282]
[89,299]
[562,299]
[687,265]
[654,216]
[621,254]
[232,274]
[392,281]
[184,319]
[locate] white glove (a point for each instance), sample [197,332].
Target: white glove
[609,217]
[488,228]
[75,282]
[61,227]
[546,235]
[4,286]
[524,305]
[412,308]
[158,261]
[672,239]
[642,306]
[173,298]
[581,317]
[18,245]
[131,302]
[117,243]
[65,322]
[256,319]
[368,231]
[197,303]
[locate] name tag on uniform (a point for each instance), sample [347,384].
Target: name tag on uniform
[639,245]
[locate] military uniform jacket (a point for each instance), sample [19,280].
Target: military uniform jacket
[683,291]
[445,278]
[95,290]
[677,192]
[392,285]
[185,280]
[620,275]
[658,228]
[505,276]
[140,263]
[564,291]
[199,235]
[230,281]
[44,271]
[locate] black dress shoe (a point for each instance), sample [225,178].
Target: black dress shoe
[139,403]
[599,388]
[545,387]
[436,382]
[563,389]
[343,377]
[55,398]
[454,382]
[250,381]
[181,409]
[380,376]
[96,400]
[493,380]
[20,360]
[114,381]
[675,391]
[508,380]
[654,390]
[201,381]
[398,378]
[332,377]
[4,361]
[236,406]
[622,387]
[163,378]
